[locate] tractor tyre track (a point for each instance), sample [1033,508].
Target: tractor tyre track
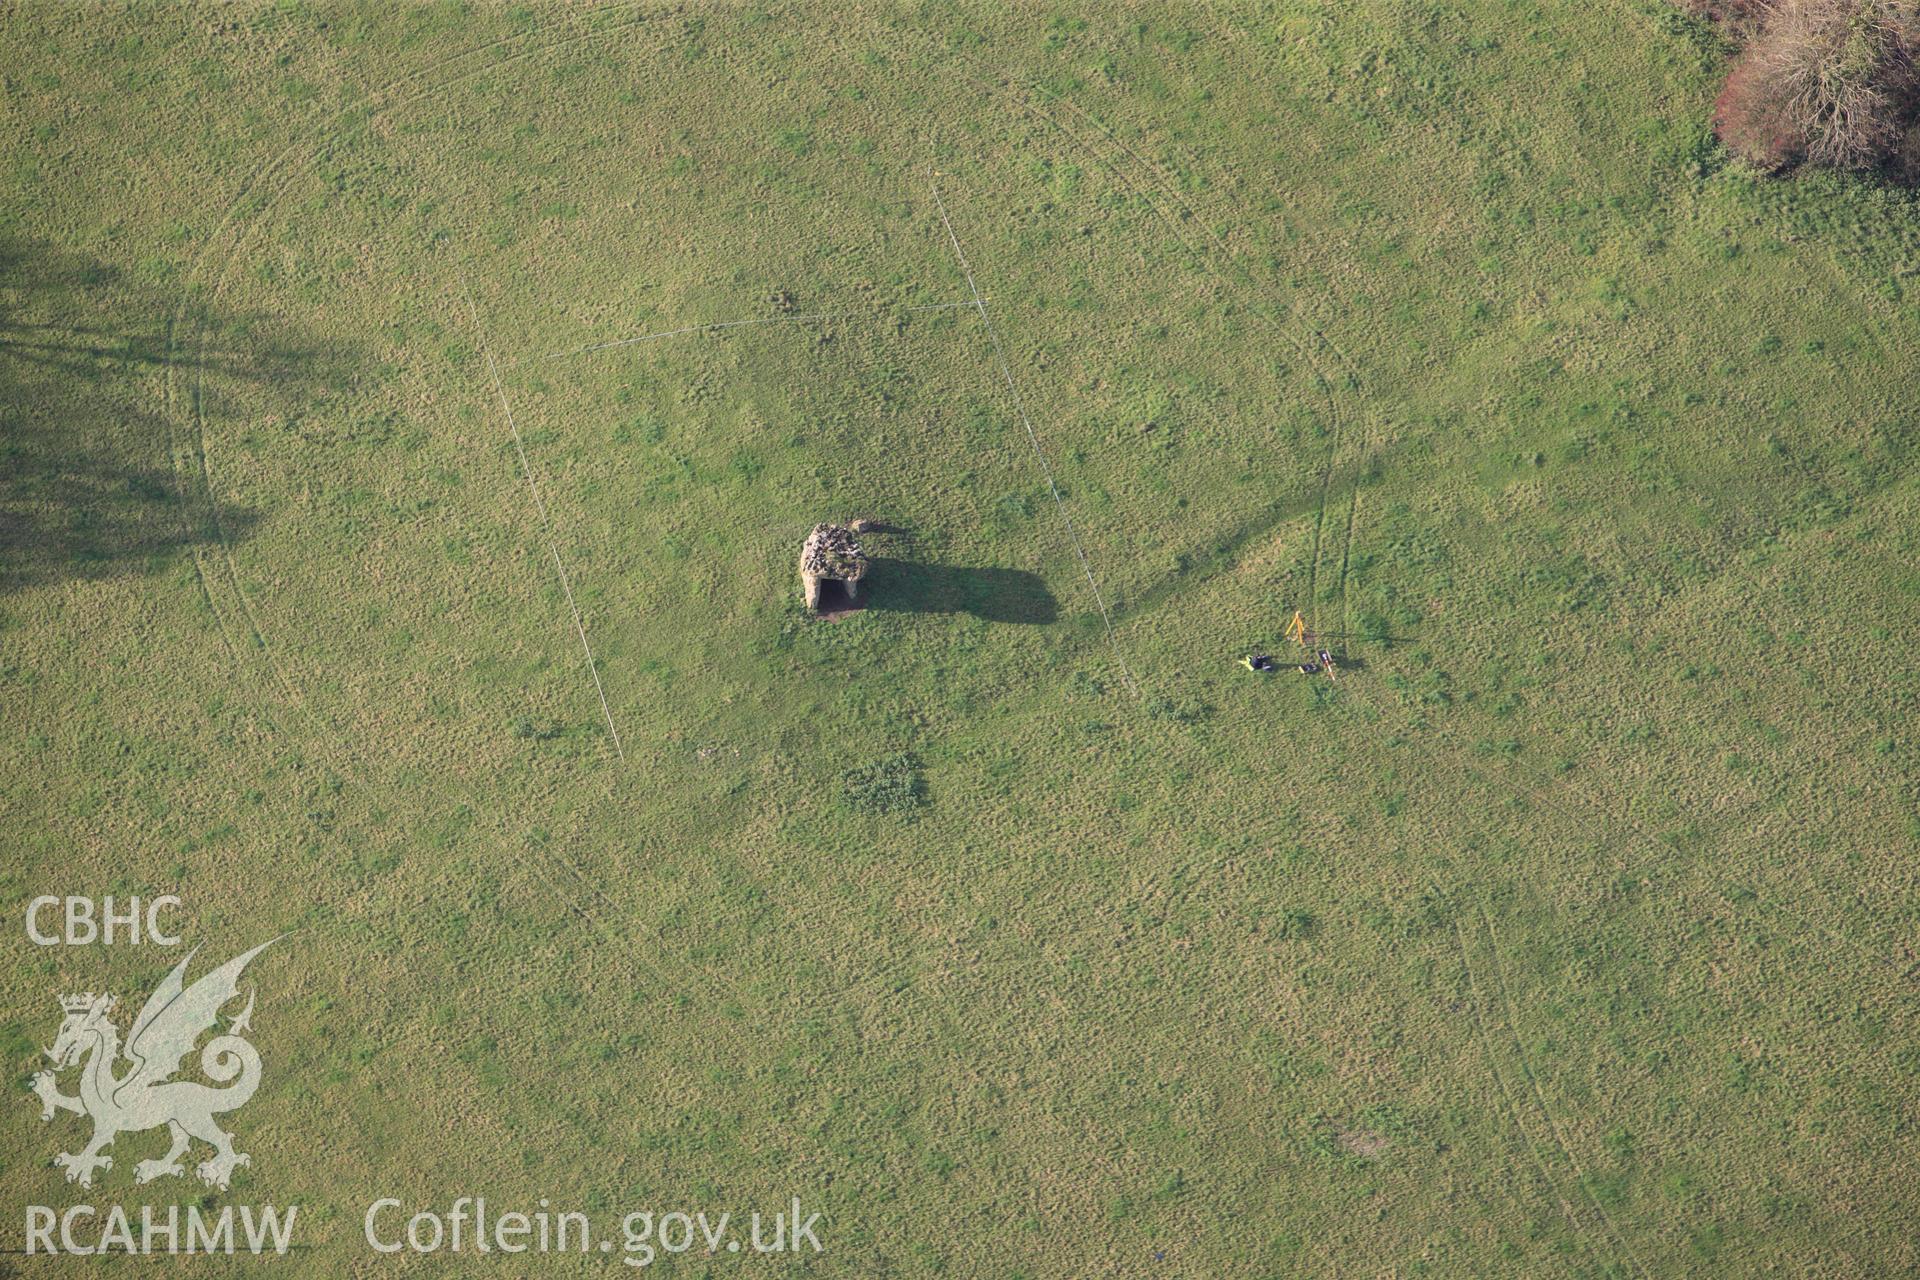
[196,485]
[1509,1103]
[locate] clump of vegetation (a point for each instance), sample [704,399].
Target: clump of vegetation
[1830,83]
[890,785]
[1742,17]
[1294,923]
[528,729]
[1179,710]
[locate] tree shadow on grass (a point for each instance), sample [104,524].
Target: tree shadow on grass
[990,594]
[87,490]
[1223,550]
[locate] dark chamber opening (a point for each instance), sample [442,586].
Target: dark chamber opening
[836,598]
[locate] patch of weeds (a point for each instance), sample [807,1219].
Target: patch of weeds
[528,729]
[889,786]
[1179,710]
[1295,923]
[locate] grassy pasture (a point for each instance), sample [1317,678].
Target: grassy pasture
[1567,934]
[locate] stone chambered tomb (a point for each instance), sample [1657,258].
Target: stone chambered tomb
[831,566]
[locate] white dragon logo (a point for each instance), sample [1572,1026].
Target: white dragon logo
[145,1096]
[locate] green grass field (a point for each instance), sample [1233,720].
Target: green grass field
[1568,933]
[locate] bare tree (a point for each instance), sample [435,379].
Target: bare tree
[1839,74]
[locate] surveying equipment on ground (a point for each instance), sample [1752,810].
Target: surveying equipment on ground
[1298,633]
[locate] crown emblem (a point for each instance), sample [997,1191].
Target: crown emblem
[83,1002]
